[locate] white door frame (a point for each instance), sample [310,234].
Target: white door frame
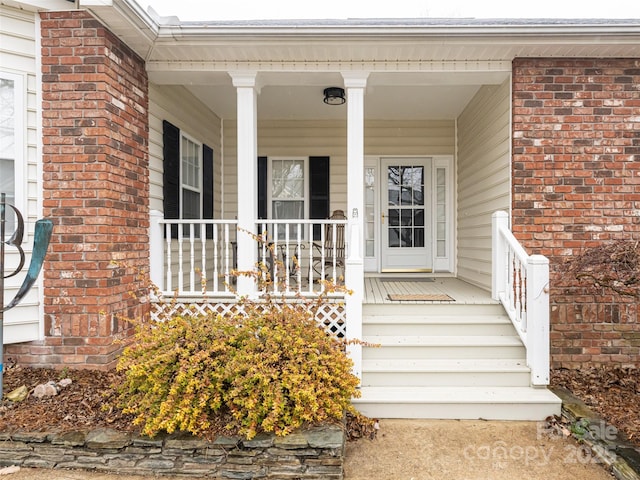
[442,238]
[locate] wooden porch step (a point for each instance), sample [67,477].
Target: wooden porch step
[423,325]
[442,346]
[445,372]
[490,403]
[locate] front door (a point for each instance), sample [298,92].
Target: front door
[406,215]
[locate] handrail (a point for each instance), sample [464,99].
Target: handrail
[521,283]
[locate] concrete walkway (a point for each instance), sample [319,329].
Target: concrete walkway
[435,449]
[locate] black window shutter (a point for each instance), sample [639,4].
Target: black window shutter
[207,186]
[262,187]
[171,173]
[318,191]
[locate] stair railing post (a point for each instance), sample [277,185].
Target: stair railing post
[499,220]
[538,319]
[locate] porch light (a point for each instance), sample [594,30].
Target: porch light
[334,96]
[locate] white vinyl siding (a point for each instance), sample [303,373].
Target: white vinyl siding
[292,138]
[182,109]
[19,57]
[484,178]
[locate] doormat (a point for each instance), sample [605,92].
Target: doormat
[421,297]
[407,279]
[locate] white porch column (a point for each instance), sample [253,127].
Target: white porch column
[355,83]
[247,93]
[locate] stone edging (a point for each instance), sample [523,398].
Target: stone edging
[602,438]
[313,454]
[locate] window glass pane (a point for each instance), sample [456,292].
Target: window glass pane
[288,209]
[190,209]
[7,119]
[287,179]
[8,150]
[190,164]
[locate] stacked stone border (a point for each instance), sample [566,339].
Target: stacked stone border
[315,453]
[617,453]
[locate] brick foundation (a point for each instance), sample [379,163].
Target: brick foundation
[576,184]
[96,191]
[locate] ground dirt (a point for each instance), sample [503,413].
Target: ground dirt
[402,449]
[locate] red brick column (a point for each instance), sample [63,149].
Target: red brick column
[576,184]
[96,191]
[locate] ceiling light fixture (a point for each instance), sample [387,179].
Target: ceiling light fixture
[334,96]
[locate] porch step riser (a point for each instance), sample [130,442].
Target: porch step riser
[442,352]
[438,329]
[446,379]
[450,410]
[491,403]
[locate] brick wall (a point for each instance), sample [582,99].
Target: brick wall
[95,162]
[576,184]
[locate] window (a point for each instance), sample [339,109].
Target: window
[288,193]
[10,142]
[293,188]
[190,166]
[187,178]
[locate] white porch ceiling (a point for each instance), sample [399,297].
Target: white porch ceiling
[399,96]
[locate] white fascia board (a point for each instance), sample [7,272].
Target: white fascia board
[40,5]
[126,19]
[554,31]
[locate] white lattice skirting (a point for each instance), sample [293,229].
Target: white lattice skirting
[331,316]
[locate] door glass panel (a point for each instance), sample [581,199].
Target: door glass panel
[370,210]
[394,217]
[405,187]
[406,216]
[407,237]
[394,237]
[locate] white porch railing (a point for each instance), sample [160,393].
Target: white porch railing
[521,283]
[295,260]
[196,257]
[192,257]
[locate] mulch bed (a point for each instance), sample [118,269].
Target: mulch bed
[88,403]
[611,391]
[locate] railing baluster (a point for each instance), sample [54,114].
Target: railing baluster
[334,251]
[180,266]
[322,257]
[203,268]
[310,245]
[298,260]
[216,253]
[192,258]
[226,255]
[169,282]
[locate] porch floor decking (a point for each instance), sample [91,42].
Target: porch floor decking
[377,290]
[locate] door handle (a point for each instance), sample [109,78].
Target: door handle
[382,218]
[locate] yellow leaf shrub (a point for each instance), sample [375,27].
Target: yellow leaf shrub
[269,369]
